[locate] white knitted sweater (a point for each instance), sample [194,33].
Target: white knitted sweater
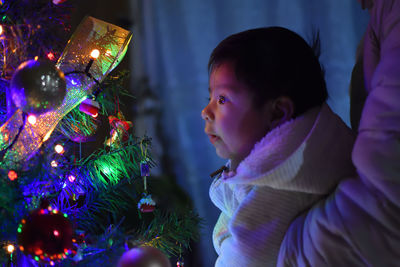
[291,168]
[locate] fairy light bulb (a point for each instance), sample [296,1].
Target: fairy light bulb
[56,233]
[10,248]
[1,30]
[95,53]
[32,119]
[59,149]
[108,53]
[71,178]
[12,175]
[54,164]
[47,136]
[50,56]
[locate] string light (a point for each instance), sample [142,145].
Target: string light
[95,53]
[1,30]
[50,56]
[12,175]
[56,233]
[47,136]
[10,248]
[59,149]
[71,178]
[32,119]
[54,164]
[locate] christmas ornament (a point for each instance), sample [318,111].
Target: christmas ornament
[119,130]
[144,168]
[56,2]
[90,34]
[37,86]
[46,235]
[146,204]
[90,106]
[144,257]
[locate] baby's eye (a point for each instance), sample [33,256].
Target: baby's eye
[221,99]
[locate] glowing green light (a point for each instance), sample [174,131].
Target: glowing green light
[36,258]
[19,230]
[65,215]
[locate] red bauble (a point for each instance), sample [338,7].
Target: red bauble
[56,2]
[46,234]
[90,107]
[146,204]
[144,257]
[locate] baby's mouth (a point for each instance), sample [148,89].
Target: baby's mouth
[213,138]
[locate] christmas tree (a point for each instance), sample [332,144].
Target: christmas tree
[63,202]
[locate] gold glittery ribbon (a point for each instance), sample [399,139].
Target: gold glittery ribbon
[112,43]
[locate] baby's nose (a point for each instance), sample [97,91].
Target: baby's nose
[205,114]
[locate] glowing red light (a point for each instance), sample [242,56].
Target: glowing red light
[51,56]
[12,175]
[56,233]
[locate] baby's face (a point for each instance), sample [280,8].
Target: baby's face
[232,123]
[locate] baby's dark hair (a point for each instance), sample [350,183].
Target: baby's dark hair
[275,62]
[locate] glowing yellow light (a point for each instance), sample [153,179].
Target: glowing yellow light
[95,115]
[47,136]
[32,119]
[1,30]
[10,248]
[54,164]
[95,53]
[108,53]
[36,58]
[59,149]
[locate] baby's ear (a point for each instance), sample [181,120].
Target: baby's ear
[282,111]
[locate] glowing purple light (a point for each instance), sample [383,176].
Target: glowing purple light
[71,178]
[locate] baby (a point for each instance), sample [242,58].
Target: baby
[286,149]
